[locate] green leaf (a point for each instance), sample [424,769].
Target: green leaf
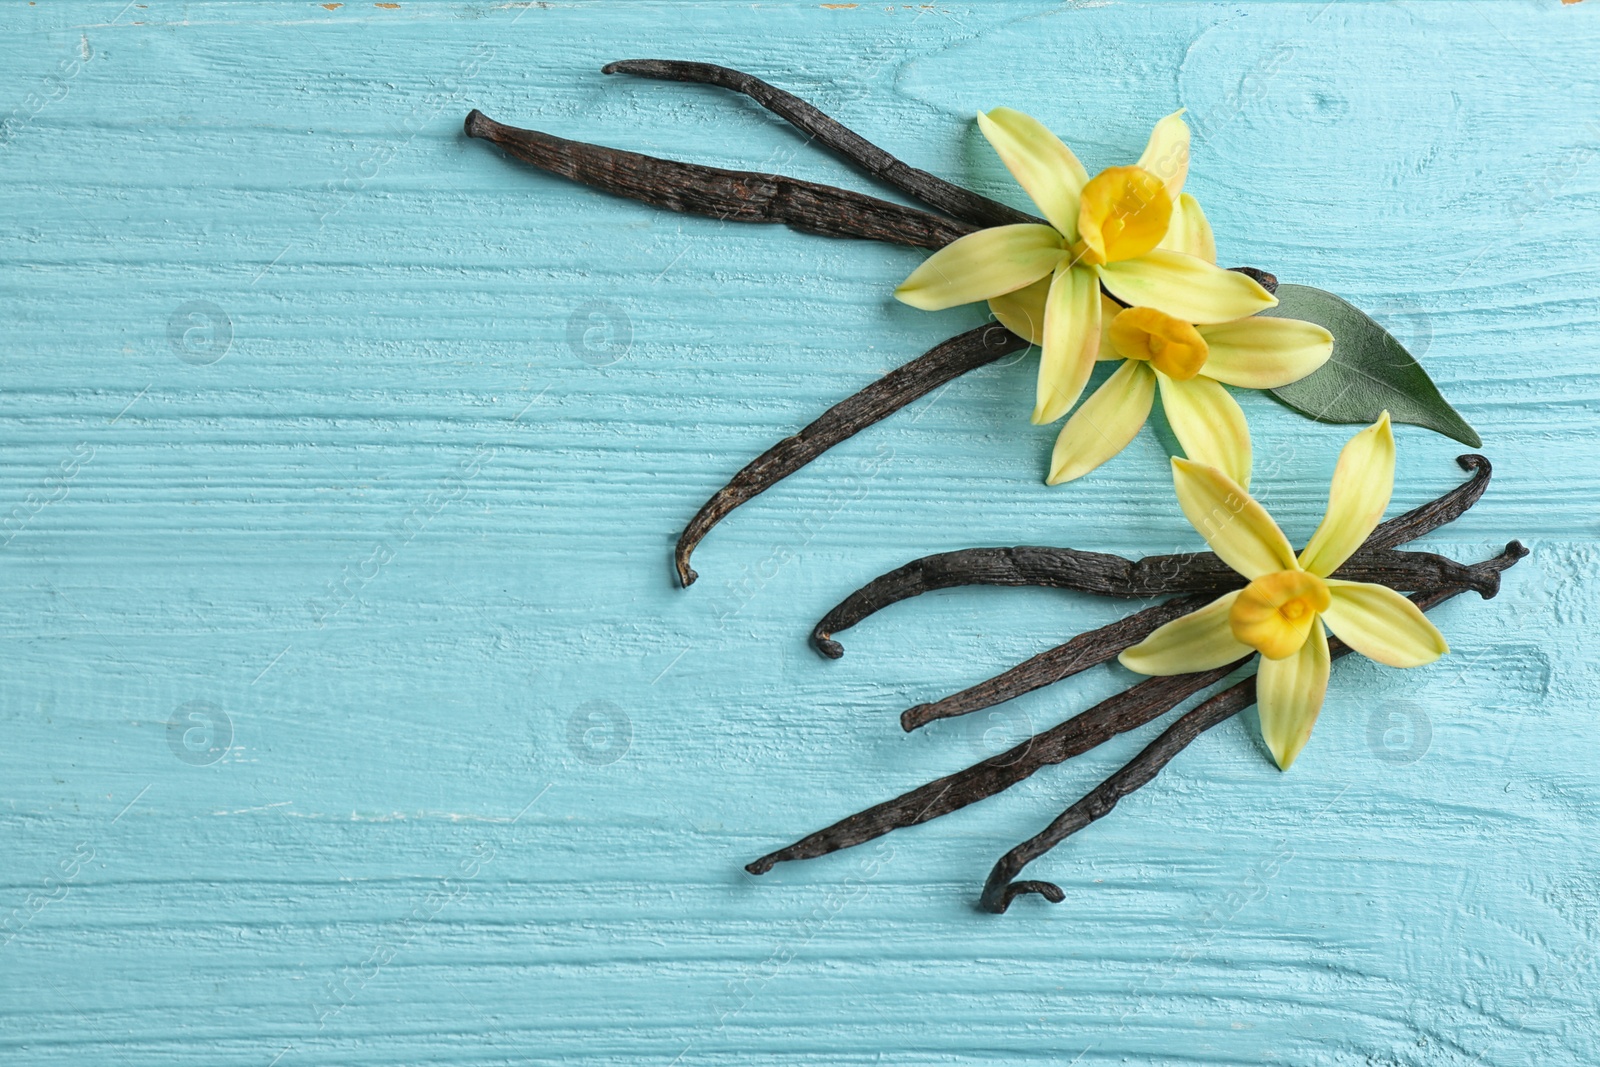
[1369,371]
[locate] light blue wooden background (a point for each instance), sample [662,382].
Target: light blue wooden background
[340,434]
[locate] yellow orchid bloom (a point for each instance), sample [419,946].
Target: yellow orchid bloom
[1187,362]
[1282,611]
[1108,231]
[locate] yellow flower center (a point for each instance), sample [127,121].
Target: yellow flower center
[1275,613]
[1123,213]
[1173,347]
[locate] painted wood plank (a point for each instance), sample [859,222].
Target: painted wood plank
[356,452]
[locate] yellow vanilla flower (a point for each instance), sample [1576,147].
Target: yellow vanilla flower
[1189,364]
[1282,611]
[1108,231]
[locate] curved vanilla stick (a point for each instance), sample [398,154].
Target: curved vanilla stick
[953,200]
[848,417]
[1106,575]
[727,195]
[1190,572]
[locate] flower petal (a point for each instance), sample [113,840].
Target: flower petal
[1209,424]
[1197,641]
[1382,625]
[1105,423]
[1362,483]
[1189,232]
[1022,311]
[1167,154]
[1044,167]
[1109,309]
[1185,287]
[1289,695]
[1071,341]
[1264,353]
[1238,529]
[983,264]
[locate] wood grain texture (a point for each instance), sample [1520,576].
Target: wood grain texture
[409,537]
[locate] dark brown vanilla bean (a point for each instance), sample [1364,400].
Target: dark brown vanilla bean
[732,195]
[850,416]
[1025,565]
[1094,572]
[1105,575]
[1153,576]
[1001,888]
[1127,710]
[1052,665]
[1443,509]
[932,190]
